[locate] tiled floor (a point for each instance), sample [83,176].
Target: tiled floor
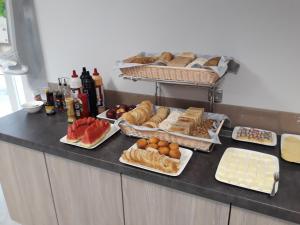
[4,215]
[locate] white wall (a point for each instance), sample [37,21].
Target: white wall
[264,35]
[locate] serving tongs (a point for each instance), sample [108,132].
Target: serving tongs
[276,180]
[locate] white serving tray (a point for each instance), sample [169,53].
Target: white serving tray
[283,137]
[186,155]
[113,129]
[248,169]
[103,116]
[274,137]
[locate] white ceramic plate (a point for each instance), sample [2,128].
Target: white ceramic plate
[274,137]
[113,129]
[248,169]
[103,116]
[186,155]
[283,137]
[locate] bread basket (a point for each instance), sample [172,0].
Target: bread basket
[192,75]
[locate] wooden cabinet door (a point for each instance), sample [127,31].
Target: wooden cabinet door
[85,195]
[240,216]
[150,204]
[26,187]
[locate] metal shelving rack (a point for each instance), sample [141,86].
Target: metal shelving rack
[210,87]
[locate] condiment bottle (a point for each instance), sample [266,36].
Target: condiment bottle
[59,101]
[77,107]
[66,90]
[99,90]
[49,106]
[88,87]
[83,73]
[84,104]
[75,84]
[70,110]
[59,98]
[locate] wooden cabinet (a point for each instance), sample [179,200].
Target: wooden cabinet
[150,204]
[85,195]
[25,183]
[240,216]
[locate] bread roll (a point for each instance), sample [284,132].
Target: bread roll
[213,61]
[166,56]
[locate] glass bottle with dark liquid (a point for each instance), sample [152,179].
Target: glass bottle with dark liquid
[88,87]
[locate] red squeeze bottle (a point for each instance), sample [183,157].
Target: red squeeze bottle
[85,104]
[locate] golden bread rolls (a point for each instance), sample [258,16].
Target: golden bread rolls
[175,153]
[174,146]
[152,145]
[153,140]
[163,144]
[164,150]
[142,143]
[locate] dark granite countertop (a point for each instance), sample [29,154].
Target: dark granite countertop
[42,133]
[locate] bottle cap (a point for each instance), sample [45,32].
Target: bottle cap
[74,74]
[83,73]
[95,73]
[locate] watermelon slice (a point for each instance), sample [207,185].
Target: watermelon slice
[76,130]
[95,132]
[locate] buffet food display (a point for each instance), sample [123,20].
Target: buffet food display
[190,128]
[157,156]
[185,66]
[254,135]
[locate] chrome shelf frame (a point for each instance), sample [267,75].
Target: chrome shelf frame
[211,87]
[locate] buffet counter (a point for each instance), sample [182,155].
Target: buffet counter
[42,133]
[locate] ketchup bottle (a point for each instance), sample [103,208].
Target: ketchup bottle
[84,104]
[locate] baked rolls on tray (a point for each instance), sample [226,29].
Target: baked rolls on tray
[154,153]
[151,158]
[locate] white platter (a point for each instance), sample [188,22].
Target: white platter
[274,137]
[248,169]
[103,116]
[113,129]
[283,137]
[186,155]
